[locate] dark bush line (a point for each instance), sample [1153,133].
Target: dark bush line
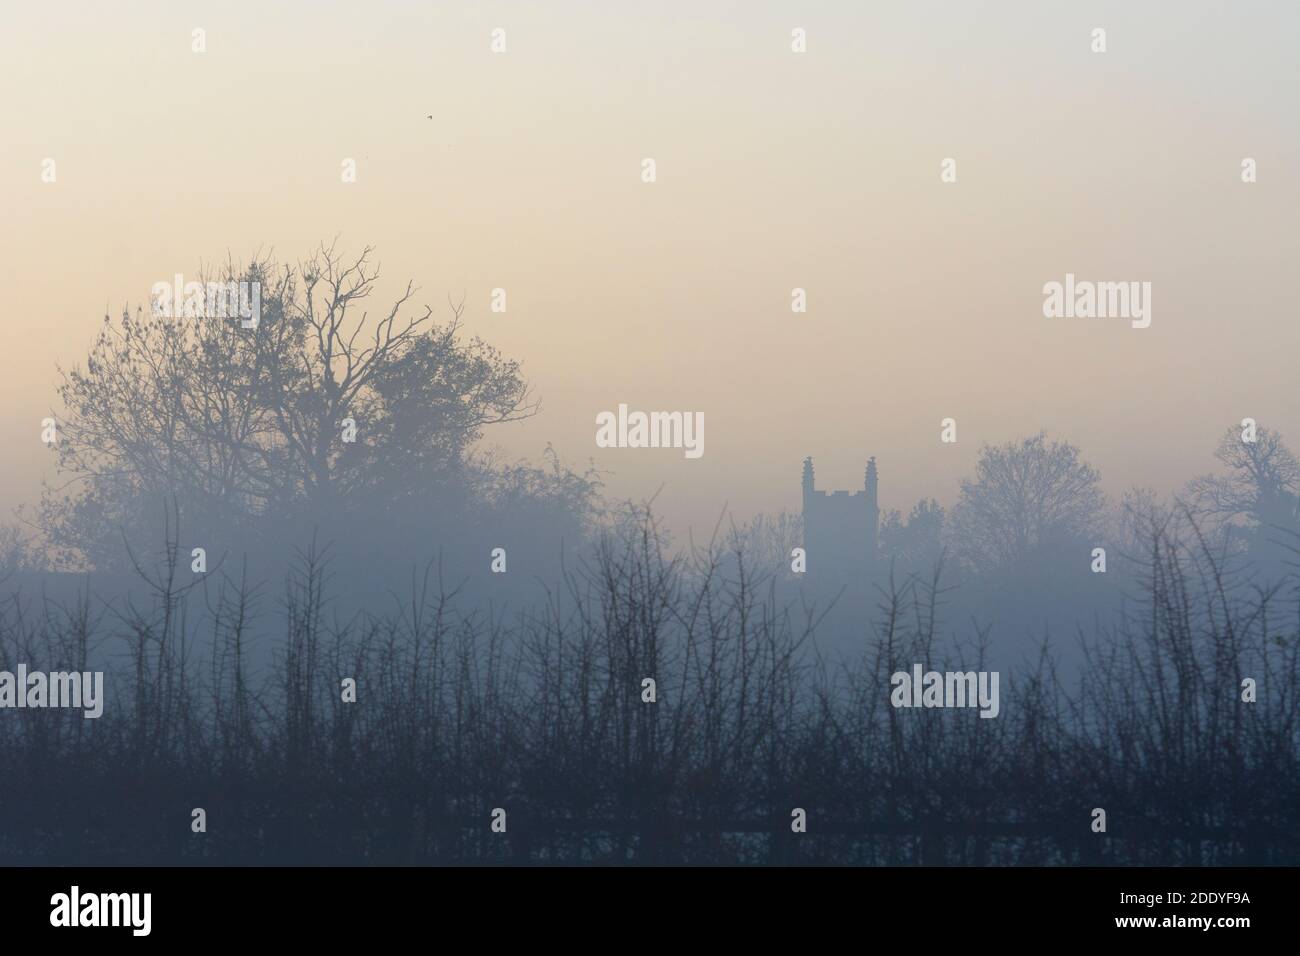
[542,715]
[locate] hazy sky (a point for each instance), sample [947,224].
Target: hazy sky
[775,170]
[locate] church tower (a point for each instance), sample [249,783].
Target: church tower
[839,529]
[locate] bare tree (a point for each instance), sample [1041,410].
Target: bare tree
[1262,484]
[913,545]
[1026,497]
[241,424]
[766,540]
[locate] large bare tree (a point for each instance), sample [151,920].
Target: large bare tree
[1262,483]
[244,424]
[1026,497]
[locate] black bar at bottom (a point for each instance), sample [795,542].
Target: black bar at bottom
[454,907]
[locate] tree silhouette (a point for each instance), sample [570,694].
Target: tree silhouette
[245,426]
[1258,500]
[1027,498]
[1262,483]
[914,545]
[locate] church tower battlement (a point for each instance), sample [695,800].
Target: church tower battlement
[839,528]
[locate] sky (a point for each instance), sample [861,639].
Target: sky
[775,170]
